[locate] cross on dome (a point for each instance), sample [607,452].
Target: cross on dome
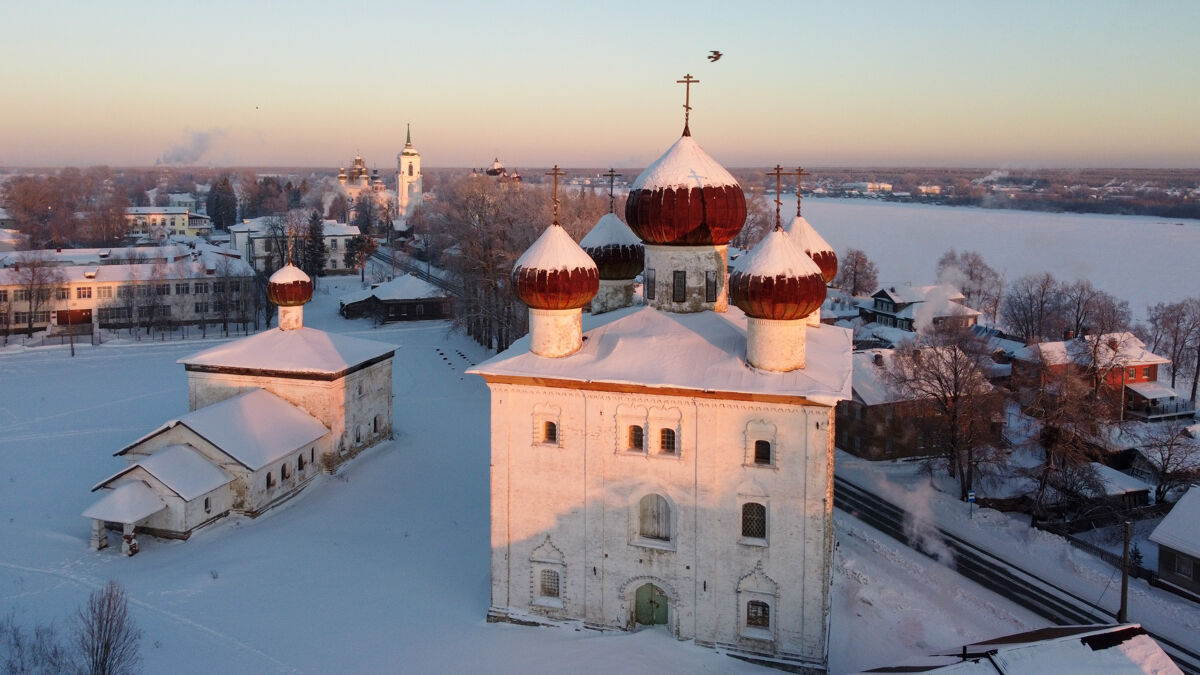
[612,178]
[800,174]
[687,83]
[556,173]
[778,173]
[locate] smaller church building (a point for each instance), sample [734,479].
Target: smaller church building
[267,414]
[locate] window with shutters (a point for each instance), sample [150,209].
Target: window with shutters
[654,518]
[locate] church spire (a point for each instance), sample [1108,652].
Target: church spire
[408,137]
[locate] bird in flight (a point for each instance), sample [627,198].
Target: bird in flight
[714,55]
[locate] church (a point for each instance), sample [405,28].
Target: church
[673,463]
[267,414]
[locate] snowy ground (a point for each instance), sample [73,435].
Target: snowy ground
[382,568]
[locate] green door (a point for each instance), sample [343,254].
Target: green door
[650,605]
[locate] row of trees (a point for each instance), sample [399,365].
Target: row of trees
[103,639]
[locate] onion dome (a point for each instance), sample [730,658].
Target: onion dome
[812,243]
[555,273]
[686,199]
[289,287]
[618,252]
[776,280]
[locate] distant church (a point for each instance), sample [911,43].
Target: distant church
[673,464]
[267,414]
[408,179]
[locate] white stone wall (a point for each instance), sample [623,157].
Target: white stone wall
[579,496]
[349,407]
[695,262]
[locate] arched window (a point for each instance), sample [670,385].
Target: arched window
[549,584]
[758,614]
[300,462]
[637,437]
[375,424]
[666,441]
[762,452]
[654,518]
[357,434]
[754,520]
[410,169]
[283,471]
[550,432]
[270,480]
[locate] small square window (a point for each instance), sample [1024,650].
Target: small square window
[549,586]
[758,614]
[762,452]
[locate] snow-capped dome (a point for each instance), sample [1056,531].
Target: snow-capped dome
[289,287]
[555,273]
[686,199]
[812,243]
[776,280]
[614,247]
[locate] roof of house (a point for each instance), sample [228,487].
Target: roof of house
[206,267]
[905,294]
[254,428]
[405,287]
[1113,650]
[299,351]
[181,468]
[1116,483]
[128,502]
[1180,529]
[1152,390]
[702,351]
[1118,349]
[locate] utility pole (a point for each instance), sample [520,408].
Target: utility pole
[1123,612]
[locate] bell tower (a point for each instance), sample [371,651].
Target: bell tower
[408,178]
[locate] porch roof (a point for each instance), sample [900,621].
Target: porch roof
[127,503]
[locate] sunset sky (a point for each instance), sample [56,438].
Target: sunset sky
[1002,84]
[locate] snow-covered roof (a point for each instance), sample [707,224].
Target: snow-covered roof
[156,210]
[300,351]
[181,468]
[610,231]
[333,228]
[555,250]
[776,255]
[870,380]
[255,427]
[404,287]
[1114,650]
[140,272]
[806,237]
[1128,351]
[903,294]
[128,502]
[1152,390]
[1117,483]
[703,351]
[684,165]
[1180,529]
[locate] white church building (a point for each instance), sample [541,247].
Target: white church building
[672,464]
[267,413]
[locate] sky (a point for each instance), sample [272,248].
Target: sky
[1001,84]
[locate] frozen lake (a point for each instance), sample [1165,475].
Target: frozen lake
[1141,259]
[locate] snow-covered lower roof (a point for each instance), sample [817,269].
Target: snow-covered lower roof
[1180,529]
[555,250]
[154,210]
[291,352]
[127,503]
[1117,483]
[404,287]
[684,165]
[182,469]
[1152,390]
[255,428]
[1114,650]
[870,380]
[704,351]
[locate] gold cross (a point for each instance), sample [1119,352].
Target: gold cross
[556,173]
[687,83]
[800,174]
[612,179]
[778,173]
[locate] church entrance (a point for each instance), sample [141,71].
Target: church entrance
[650,605]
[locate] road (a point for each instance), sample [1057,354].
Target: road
[986,569]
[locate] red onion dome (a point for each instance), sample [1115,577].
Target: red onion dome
[814,245]
[555,273]
[614,247]
[686,199]
[289,287]
[776,280]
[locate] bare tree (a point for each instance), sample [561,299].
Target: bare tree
[981,286]
[1032,308]
[37,277]
[760,218]
[943,371]
[1175,454]
[36,652]
[106,634]
[1175,328]
[856,273]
